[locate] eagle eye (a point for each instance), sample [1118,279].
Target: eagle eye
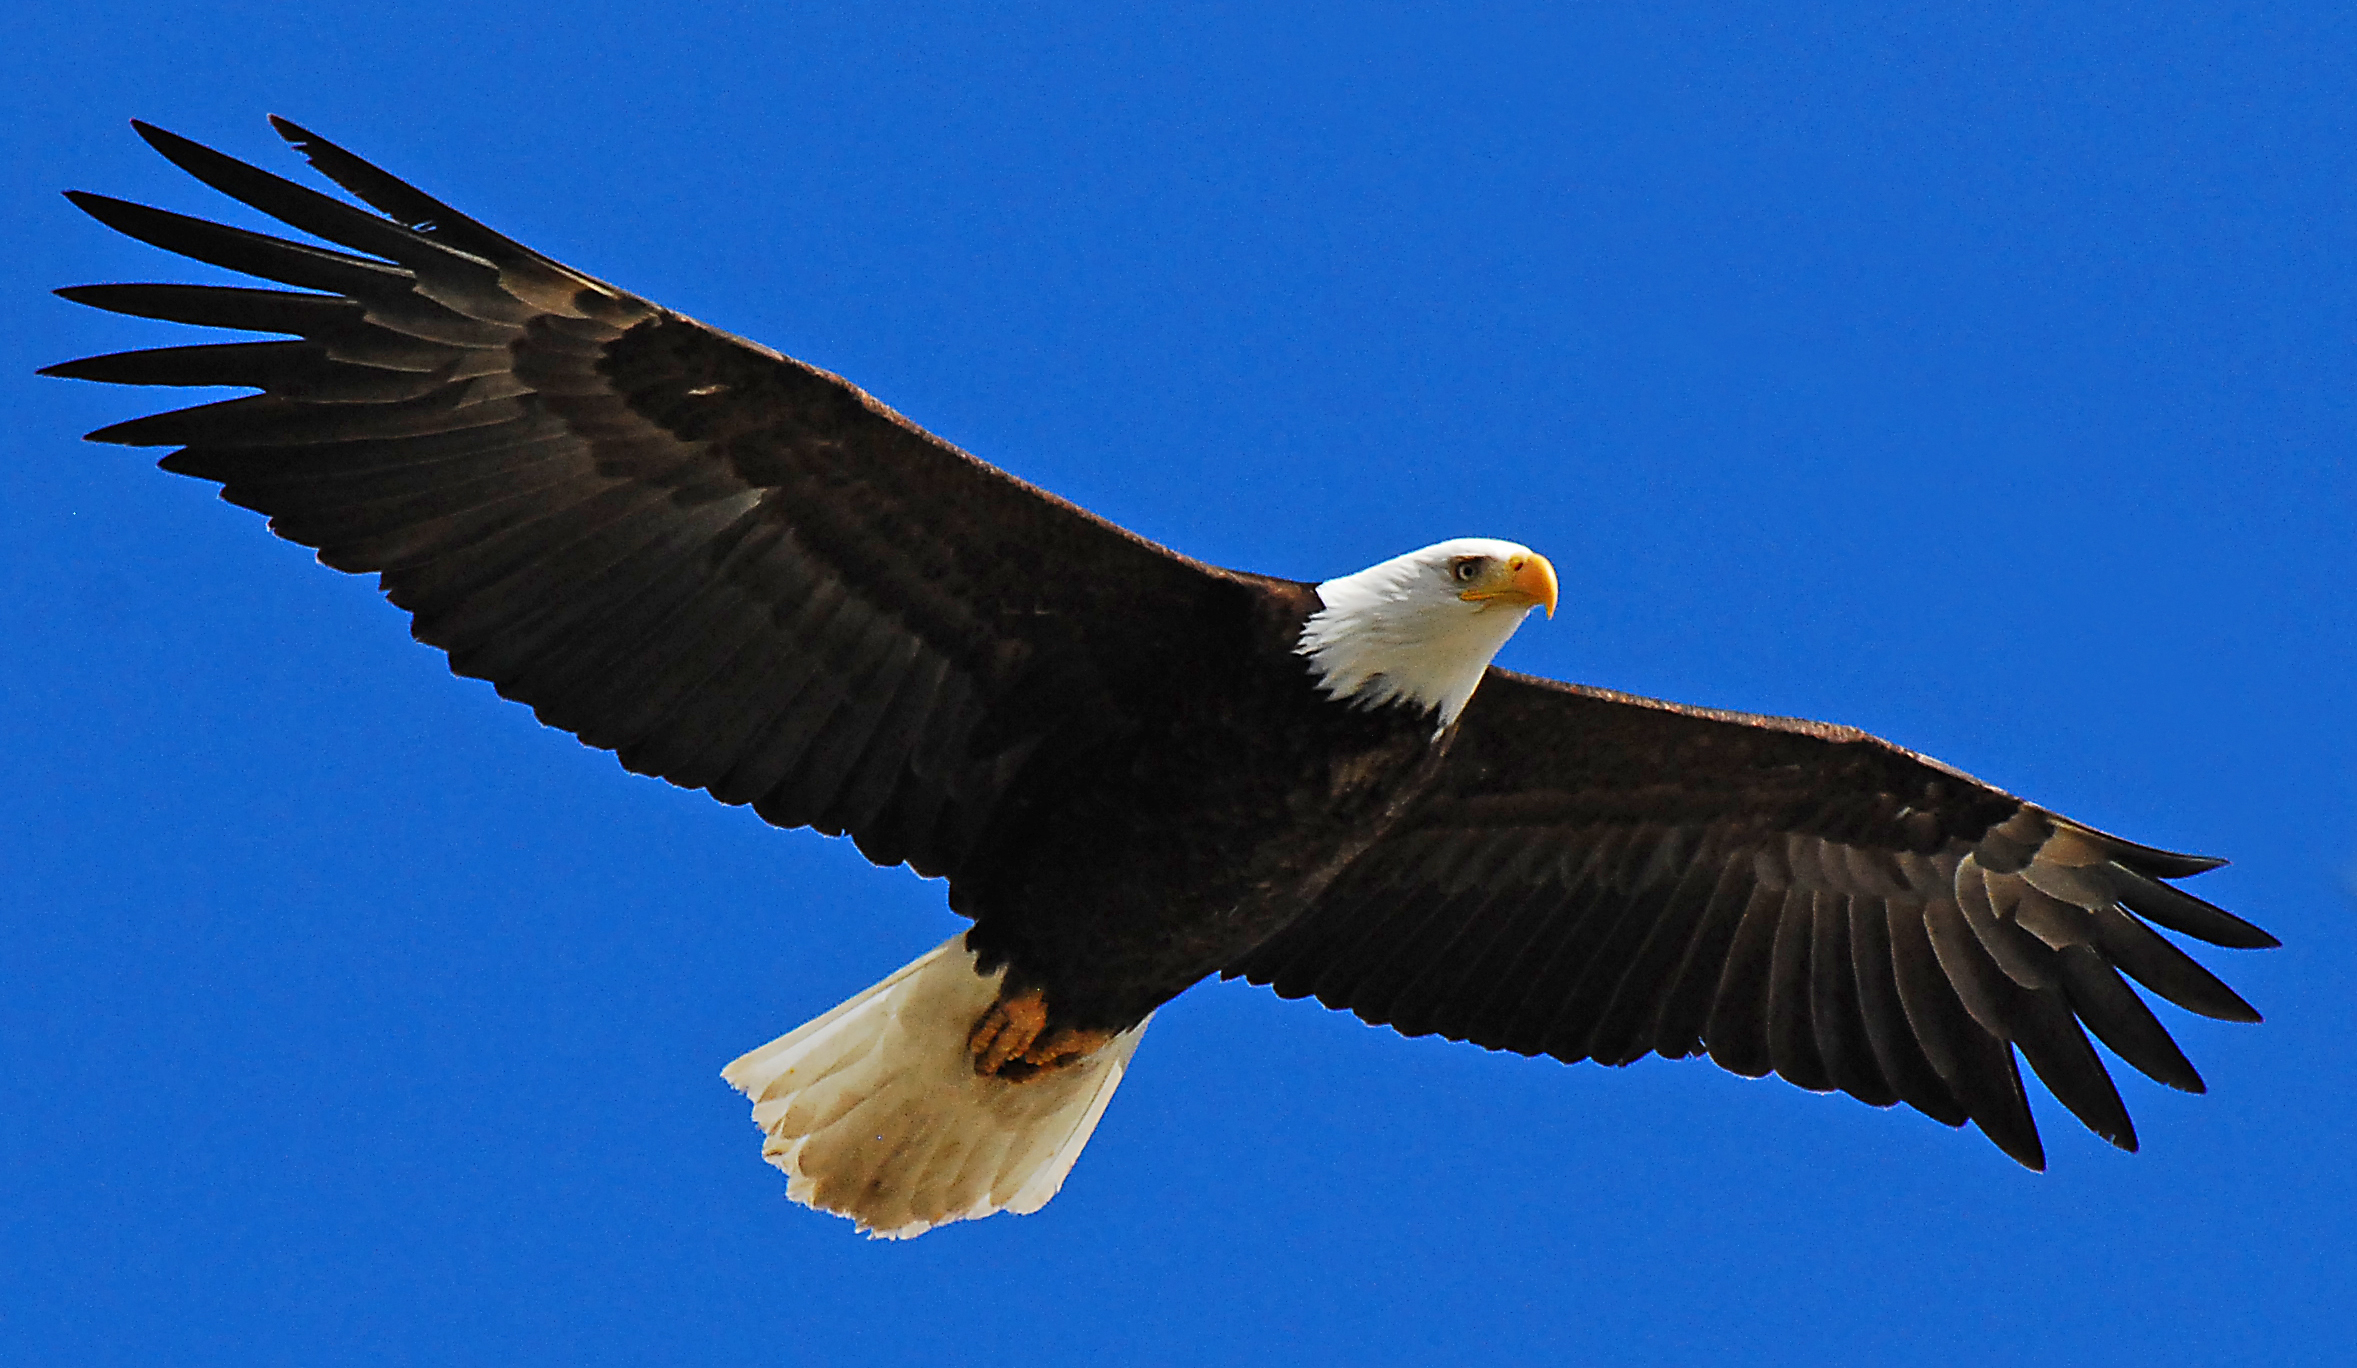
[1469,568]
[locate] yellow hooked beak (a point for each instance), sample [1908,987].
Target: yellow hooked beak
[1526,581]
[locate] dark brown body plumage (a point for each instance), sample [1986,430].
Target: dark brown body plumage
[741,574]
[1232,798]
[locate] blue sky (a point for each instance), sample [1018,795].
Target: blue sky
[1984,380]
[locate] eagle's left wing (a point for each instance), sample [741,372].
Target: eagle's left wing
[1598,876]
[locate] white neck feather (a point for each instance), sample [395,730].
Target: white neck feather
[1396,633]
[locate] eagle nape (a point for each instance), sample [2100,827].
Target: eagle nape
[1133,770]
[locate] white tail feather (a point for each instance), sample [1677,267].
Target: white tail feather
[875,1112]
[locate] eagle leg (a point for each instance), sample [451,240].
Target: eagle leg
[1011,1040]
[1007,1029]
[1066,1045]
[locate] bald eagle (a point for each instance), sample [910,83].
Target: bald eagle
[1134,770]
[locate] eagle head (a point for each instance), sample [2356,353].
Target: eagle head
[1420,629]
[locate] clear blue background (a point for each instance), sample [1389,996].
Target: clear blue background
[1985,381]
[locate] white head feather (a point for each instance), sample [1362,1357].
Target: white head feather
[1420,628]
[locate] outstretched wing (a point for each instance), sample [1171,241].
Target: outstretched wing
[736,571]
[1598,876]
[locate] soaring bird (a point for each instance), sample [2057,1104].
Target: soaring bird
[1134,770]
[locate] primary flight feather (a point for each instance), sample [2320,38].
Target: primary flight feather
[1134,770]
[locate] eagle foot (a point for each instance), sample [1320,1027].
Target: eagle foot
[1011,1040]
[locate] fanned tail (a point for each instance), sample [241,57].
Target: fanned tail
[874,1110]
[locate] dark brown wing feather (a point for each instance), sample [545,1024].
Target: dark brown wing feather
[736,571]
[1597,876]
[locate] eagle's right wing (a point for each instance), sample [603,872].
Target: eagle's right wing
[734,570]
